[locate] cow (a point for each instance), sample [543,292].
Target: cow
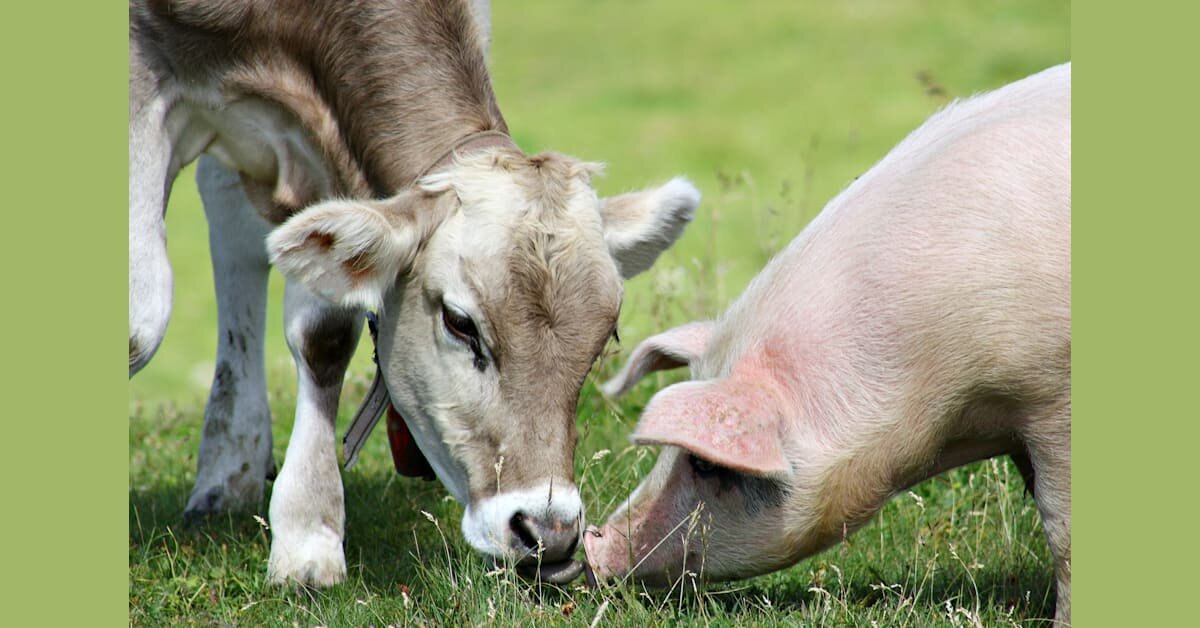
[357,146]
[920,322]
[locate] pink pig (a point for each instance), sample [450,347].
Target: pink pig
[921,322]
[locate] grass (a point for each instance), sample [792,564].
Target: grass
[770,111]
[963,547]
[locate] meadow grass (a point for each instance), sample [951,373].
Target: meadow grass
[771,108]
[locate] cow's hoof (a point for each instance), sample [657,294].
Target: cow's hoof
[219,500]
[315,561]
[204,505]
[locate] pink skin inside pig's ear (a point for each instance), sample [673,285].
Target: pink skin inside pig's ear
[671,349]
[732,423]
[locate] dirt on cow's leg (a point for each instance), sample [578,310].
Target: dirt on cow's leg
[235,456]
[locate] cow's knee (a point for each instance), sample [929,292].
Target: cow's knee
[150,286]
[143,343]
[322,339]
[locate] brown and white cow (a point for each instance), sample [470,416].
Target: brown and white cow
[362,141]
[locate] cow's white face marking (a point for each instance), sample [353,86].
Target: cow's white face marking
[485,524]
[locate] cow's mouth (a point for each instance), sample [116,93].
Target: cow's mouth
[406,455]
[410,462]
[559,573]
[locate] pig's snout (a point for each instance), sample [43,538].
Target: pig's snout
[607,552]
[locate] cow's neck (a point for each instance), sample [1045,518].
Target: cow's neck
[385,88]
[405,87]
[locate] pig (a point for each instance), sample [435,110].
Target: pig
[920,322]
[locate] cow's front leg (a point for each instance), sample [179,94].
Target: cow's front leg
[150,178]
[235,447]
[307,509]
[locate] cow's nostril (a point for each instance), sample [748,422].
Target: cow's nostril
[560,540]
[573,546]
[519,524]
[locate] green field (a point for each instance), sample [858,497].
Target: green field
[770,108]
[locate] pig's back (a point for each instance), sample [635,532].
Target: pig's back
[944,269]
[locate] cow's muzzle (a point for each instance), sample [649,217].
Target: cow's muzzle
[536,528]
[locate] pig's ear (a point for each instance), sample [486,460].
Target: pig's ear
[639,226]
[350,252]
[733,424]
[671,349]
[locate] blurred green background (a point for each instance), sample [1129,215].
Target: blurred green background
[769,107]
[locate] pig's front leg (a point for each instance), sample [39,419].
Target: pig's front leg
[1049,443]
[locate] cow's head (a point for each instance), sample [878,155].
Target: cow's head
[498,283]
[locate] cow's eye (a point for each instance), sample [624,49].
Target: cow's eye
[459,324]
[702,467]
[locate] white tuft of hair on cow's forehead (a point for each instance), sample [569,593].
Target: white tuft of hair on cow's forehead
[506,197]
[505,182]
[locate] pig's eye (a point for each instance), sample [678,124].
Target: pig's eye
[702,467]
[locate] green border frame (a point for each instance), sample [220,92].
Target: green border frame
[66,446]
[1135,312]
[1135,296]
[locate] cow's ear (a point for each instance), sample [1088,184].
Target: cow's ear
[731,423]
[639,226]
[350,252]
[671,349]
